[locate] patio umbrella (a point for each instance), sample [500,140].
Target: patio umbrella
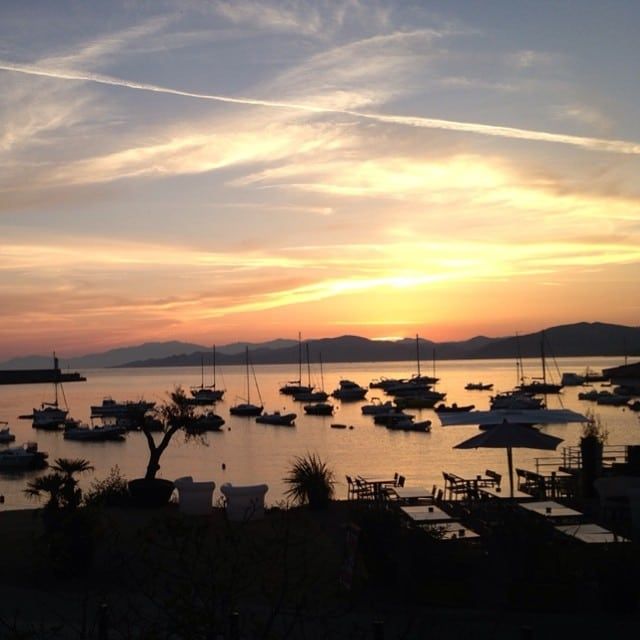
[510,435]
[520,416]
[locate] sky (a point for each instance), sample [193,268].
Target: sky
[240,170]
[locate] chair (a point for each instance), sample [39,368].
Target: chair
[194,498]
[400,481]
[495,477]
[244,502]
[352,492]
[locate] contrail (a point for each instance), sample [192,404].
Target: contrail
[595,144]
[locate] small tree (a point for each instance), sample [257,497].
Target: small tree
[176,414]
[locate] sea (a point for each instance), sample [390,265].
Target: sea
[245,452]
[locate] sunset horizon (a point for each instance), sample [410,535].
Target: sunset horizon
[244,171]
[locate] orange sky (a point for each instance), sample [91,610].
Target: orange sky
[245,171]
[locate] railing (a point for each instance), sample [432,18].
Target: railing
[571,458]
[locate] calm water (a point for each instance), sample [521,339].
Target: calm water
[255,453]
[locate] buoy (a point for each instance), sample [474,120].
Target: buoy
[1,499]
[224,466]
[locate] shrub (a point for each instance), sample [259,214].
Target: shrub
[310,481]
[112,491]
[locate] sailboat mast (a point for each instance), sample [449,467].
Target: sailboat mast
[55,384]
[321,374]
[299,358]
[544,367]
[248,384]
[418,353]
[214,366]
[308,367]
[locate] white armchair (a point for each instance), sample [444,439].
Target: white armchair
[244,502]
[194,498]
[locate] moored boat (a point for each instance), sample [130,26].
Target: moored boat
[349,390]
[443,408]
[75,430]
[110,408]
[23,458]
[319,409]
[5,433]
[478,386]
[277,418]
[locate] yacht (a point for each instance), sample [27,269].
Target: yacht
[277,418]
[204,395]
[23,458]
[75,430]
[349,390]
[112,409]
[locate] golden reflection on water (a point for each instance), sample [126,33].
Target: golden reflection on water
[255,453]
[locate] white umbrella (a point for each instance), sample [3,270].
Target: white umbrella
[520,416]
[509,435]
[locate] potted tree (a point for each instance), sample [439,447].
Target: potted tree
[175,414]
[310,482]
[594,436]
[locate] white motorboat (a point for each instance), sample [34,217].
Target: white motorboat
[75,430]
[277,418]
[376,407]
[206,422]
[112,409]
[349,390]
[23,458]
[319,409]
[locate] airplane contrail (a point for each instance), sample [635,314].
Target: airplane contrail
[595,144]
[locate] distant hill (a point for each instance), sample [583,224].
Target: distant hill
[111,358]
[581,339]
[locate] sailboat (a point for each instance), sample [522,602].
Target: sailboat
[204,395]
[246,408]
[311,395]
[319,408]
[540,386]
[50,415]
[295,386]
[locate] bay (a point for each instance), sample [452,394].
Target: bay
[254,453]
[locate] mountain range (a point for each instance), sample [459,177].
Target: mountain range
[581,339]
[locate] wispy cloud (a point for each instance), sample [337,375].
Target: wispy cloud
[595,144]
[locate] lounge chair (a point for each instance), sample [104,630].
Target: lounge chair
[244,502]
[194,498]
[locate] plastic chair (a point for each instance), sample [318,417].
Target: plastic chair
[244,502]
[194,498]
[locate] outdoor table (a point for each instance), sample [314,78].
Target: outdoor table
[425,513]
[503,493]
[451,530]
[551,510]
[590,533]
[410,493]
[377,482]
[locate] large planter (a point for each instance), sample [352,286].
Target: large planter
[591,454]
[150,493]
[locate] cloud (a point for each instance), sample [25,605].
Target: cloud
[594,144]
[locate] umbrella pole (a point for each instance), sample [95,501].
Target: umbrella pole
[510,465]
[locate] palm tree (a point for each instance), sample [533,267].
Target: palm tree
[61,486]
